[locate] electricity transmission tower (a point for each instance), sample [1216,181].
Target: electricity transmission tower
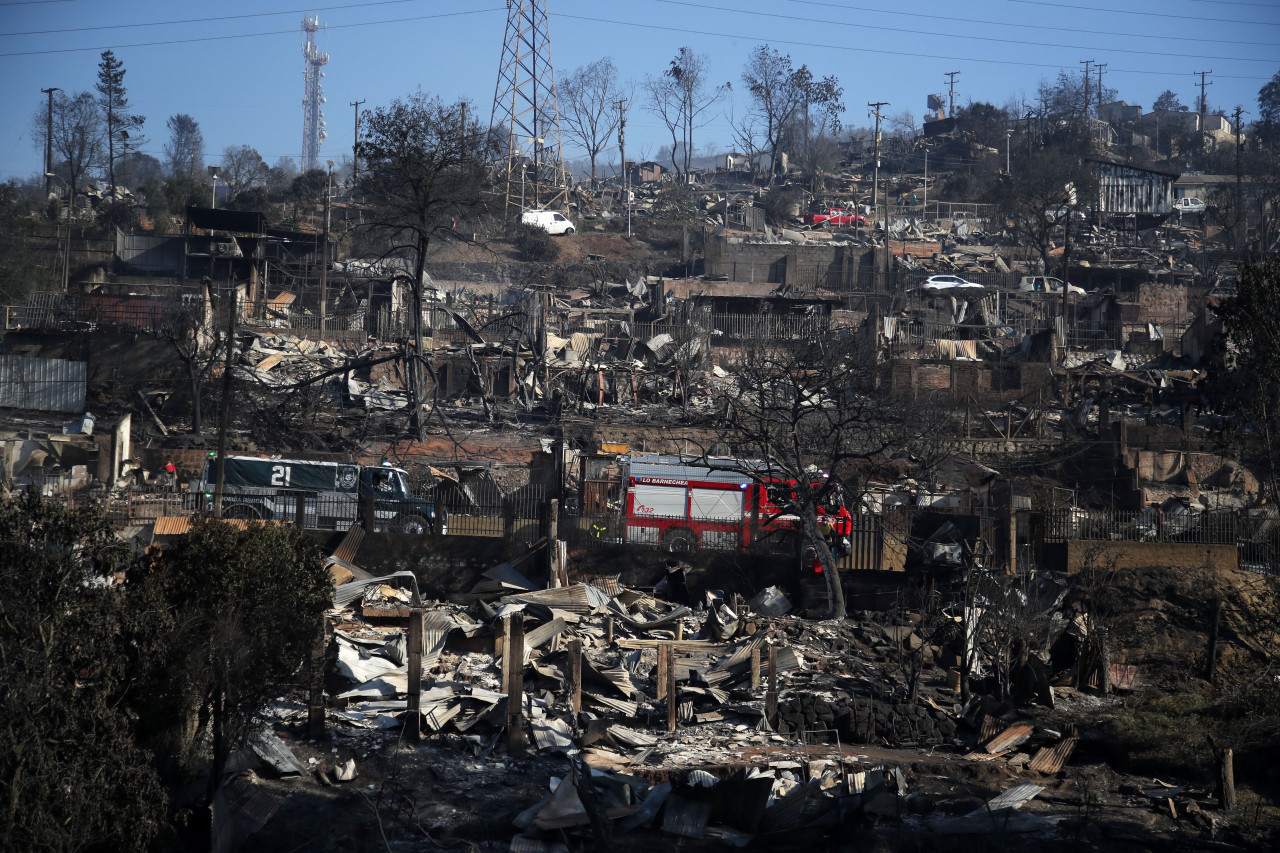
[313,132]
[526,113]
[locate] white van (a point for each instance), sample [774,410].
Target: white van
[551,221]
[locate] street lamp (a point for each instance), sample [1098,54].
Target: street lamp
[66,251]
[213,173]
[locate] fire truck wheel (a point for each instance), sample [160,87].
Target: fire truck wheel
[679,541]
[414,525]
[244,511]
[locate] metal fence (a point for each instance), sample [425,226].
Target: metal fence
[1177,524]
[520,515]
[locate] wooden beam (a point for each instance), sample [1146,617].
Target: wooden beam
[413,717]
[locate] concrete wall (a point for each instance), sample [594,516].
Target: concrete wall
[1137,555]
[802,266]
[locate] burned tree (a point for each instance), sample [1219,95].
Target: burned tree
[190,331]
[425,169]
[807,406]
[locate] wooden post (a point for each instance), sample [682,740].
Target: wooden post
[413,718]
[1227,780]
[1211,662]
[664,651]
[575,677]
[553,551]
[679,631]
[315,699]
[755,669]
[513,666]
[673,695]
[608,630]
[771,697]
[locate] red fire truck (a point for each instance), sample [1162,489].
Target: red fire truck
[684,505]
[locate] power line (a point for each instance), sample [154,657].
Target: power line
[915,32]
[847,48]
[1056,29]
[200,20]
[249,35]
[1147,14]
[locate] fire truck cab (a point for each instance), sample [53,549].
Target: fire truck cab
[683,505]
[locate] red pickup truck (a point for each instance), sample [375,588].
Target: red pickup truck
[835,217]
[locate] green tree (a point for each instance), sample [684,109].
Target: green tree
[1247,387]
[123,128]
[1268,124]
[236,612]
[72,777]
[184,152]
[1168,101]
[426,170]
[986,122]
[19,269]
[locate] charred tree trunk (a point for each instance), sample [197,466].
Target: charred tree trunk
[835,590]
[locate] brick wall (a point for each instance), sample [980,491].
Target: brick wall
[1161,302]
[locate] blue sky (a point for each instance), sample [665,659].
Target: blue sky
[236,66]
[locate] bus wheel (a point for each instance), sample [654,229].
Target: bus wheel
[413,525]
[679,541]
[245,511]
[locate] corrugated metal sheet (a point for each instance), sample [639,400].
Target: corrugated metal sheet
[44,384]
[150,254]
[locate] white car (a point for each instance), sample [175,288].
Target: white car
[1046,284]
[1189,204]
[551,221]
[949,282]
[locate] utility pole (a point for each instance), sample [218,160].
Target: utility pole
[875,184]
[1242,217]
[224,414]
[951,99]
[48,143]
[1100,66]
[622,152]
[355,144]
[1086,63]
[324,248]
[1203,108]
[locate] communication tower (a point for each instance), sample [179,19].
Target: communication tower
[313,132]
[526,112]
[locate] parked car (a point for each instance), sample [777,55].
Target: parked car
[1189,204]
[1045,284]
[836,218]
[949,282]
[551,221]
